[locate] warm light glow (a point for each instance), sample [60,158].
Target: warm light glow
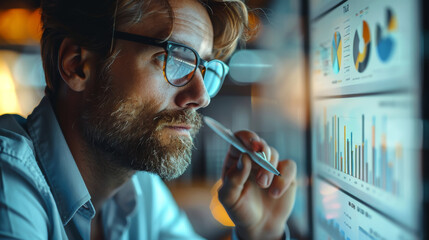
[8,98]
[255,25]
[329,198]
[20,26]
[331,216]
[34,25]
[218,211]
[328,190]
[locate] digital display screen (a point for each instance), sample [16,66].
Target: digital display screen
[365,127]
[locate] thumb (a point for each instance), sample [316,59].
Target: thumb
[234,180]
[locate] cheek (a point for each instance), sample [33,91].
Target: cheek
[141,81]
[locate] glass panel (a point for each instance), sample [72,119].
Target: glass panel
[213,77]
[181,64]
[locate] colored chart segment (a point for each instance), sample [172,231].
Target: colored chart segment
[384,36]
[364,146]
[361,58]
[339,216]
[336,52]
[375,164]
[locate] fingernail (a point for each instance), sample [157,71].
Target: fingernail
[263,180]
[240,162]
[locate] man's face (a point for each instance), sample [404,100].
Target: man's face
[137,117]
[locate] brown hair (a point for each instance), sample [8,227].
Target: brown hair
[90,24]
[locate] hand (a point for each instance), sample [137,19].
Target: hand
[258,202]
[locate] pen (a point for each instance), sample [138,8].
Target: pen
[227,135]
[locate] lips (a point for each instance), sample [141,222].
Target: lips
[181,128]
[184,121]
[184,130]
[184,127]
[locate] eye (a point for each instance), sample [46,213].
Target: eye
[159,59]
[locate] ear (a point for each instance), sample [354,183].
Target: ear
[75,65]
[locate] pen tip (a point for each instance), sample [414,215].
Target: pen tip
[280,175]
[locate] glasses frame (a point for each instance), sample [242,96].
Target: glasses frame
[168,45]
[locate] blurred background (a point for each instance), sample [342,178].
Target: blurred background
[267,91]
[268,101]
[21,74]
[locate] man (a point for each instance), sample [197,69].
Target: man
[121,104]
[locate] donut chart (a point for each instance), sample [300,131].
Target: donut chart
[336,52]
[361,58]
[384,40]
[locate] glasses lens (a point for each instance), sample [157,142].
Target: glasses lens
[180,66]
[213,76]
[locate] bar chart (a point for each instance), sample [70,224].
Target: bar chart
[365,146]
[376,165]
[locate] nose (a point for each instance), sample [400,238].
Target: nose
[194,94]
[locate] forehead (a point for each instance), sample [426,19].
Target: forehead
[191,24]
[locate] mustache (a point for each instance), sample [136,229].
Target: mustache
[186,116]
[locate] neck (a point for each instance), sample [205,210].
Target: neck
[101,176]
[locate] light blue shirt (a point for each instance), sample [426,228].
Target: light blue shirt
[43,195]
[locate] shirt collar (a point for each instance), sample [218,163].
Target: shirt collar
[118,210]
[126,197]
[57,163]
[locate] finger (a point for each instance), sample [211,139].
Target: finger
[256,144]
[234,181]
[230,161]
[261,146]
[289,197]
[245,137]
[264,177]
[281,183]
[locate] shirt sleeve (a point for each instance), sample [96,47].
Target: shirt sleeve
[22,215]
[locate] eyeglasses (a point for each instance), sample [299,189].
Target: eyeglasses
[181,63]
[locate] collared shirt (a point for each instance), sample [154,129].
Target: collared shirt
[43,195]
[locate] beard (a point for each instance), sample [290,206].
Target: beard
[132,133]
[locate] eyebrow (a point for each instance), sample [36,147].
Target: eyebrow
[179,40]
[206,57]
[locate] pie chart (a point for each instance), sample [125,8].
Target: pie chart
[384,36]
[362,47]
[336,51]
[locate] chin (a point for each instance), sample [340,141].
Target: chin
[172,172]
[169,159]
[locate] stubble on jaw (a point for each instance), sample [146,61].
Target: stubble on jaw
[129,134]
